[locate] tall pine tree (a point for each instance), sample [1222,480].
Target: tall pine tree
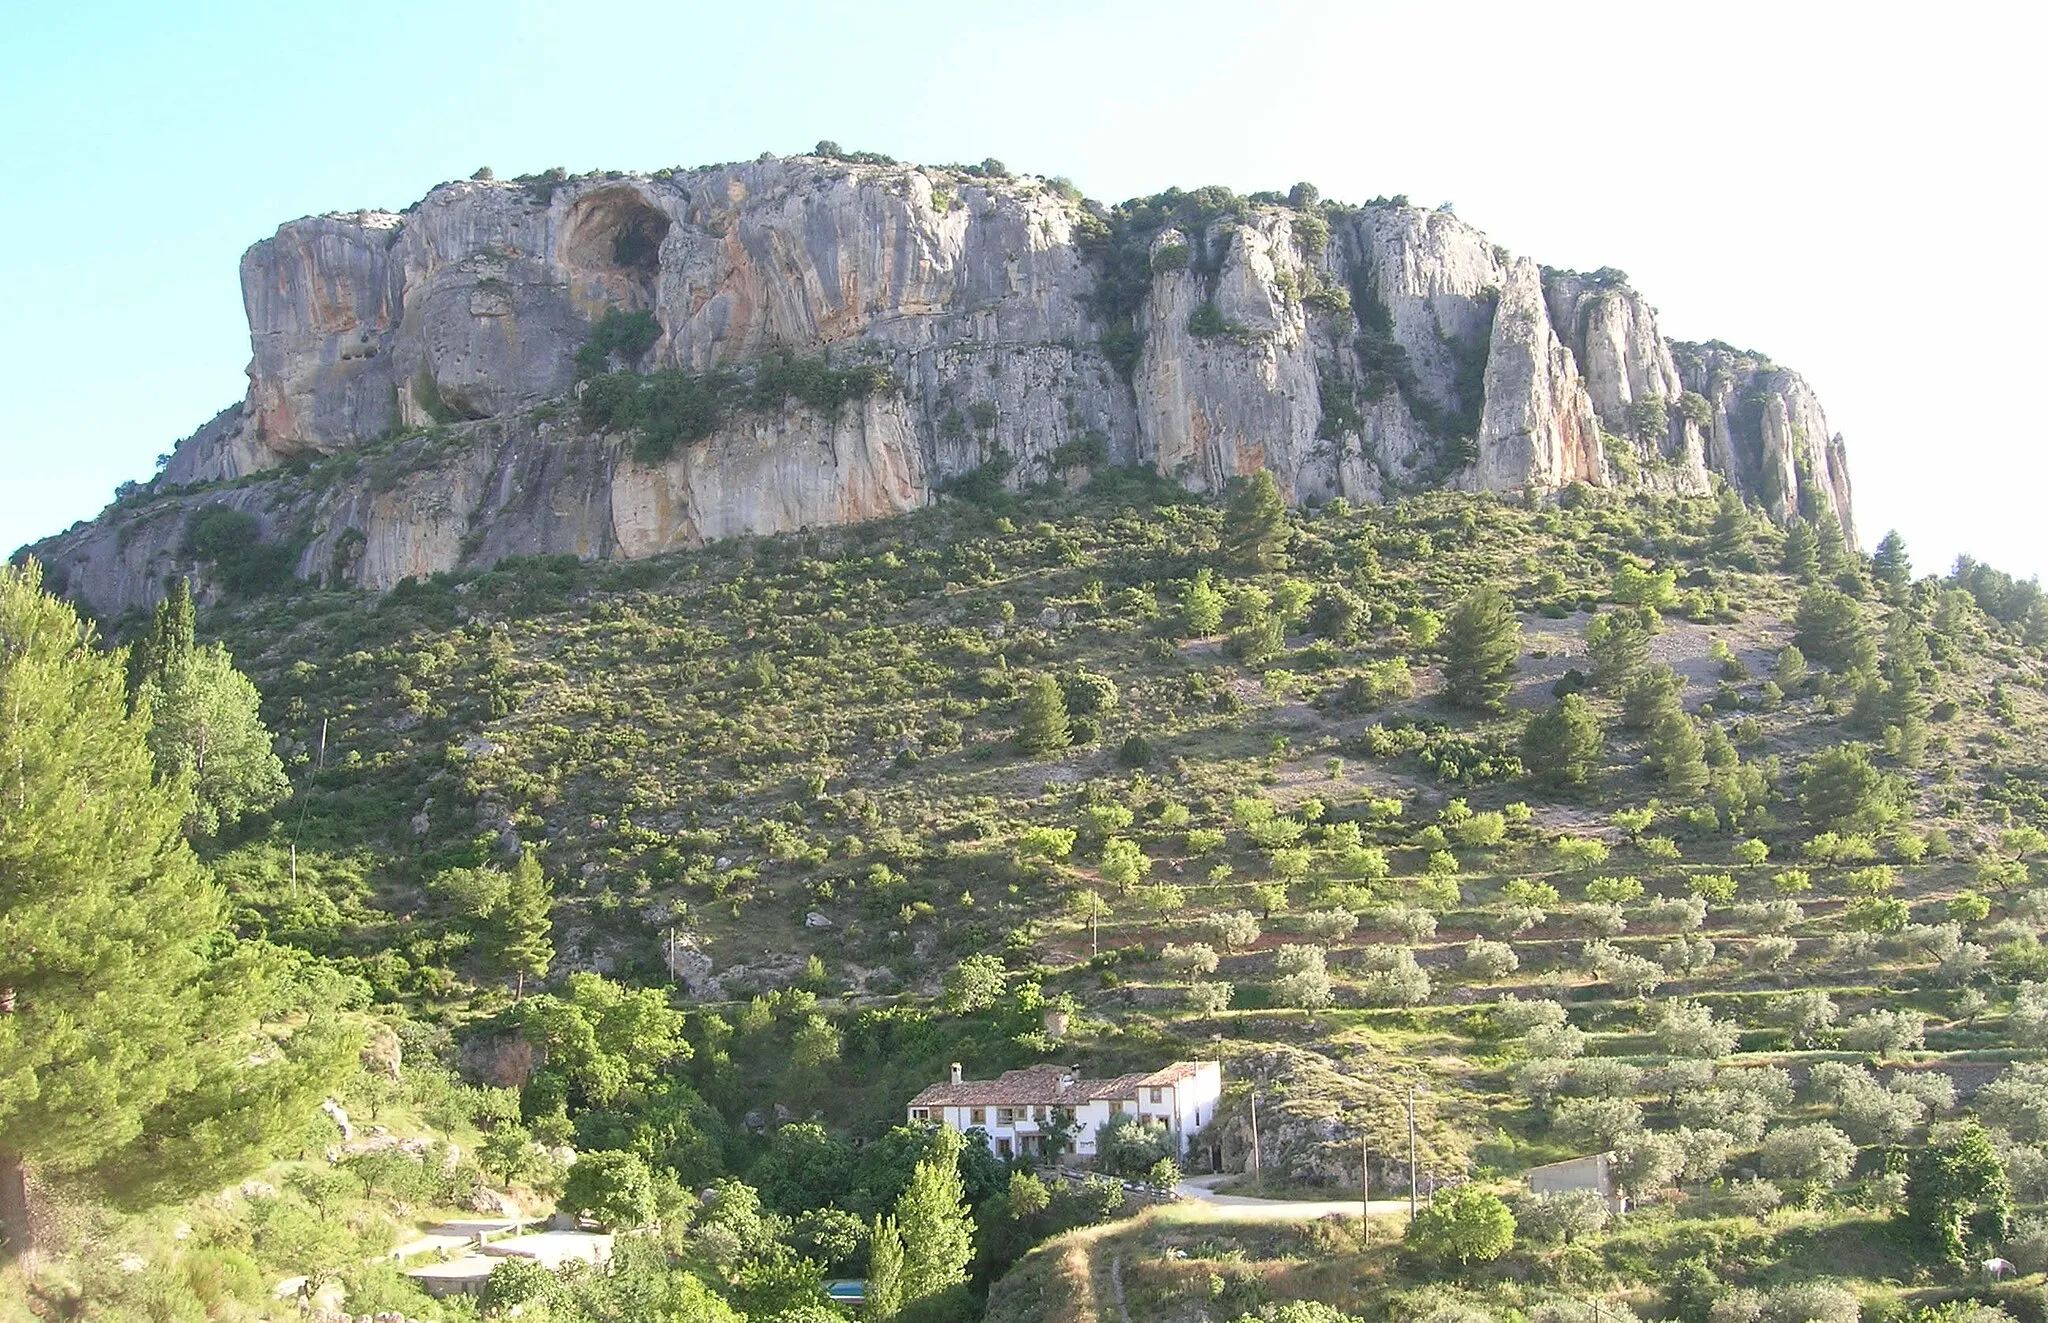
[1618,646]
[525,923]
[128,1036]
[1729,541]
[1042,725]
[1677,754]
[1255,531]
[1893,567]
[1562,747]
[1482,641]
[166,642]
[1802,552]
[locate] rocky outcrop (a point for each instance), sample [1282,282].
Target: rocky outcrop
[1764,429]
[411,403]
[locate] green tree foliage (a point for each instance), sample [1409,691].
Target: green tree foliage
[885,1270]
[1649,590]
[1202,607]
[1829,628]
[1842,791]
[612,1188]
[1337,614]
[1677,755]
[205,727]
[1730,542]
[1830,548]
[1802,552]
[1255,530]
[1463,1226]
[1956,1193]
[204,720]
[1042,725]
[1892,566]
[1618,646]
[1651,696]
[129,1041]
[937,1230]
[525,923]
[602,1038]
[1482,641]
[975,984]
[165,644]
[1562,748]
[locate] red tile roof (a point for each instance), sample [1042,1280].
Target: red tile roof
[1050,1086]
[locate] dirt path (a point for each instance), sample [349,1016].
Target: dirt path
[1198,1194]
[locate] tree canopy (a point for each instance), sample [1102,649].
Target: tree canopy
[128,1015]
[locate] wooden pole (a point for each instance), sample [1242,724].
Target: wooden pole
[1364,1190]
[1411,1152]
[1258,1171]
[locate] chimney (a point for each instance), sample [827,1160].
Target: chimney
[956,1072]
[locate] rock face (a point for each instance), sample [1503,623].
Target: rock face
[412,408]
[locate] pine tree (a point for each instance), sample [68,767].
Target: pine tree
[1678,756]
[1830,548]
[884,1298]
[1203,605]
[2034,630]
[1652,694]
[526,924]
[166,642]
[1729,541]
[1042,725]
[1562,747]
[1802,552]
[1482,641]
[937,1229]
[1829,628]
[1255,531]
[127,1013]
[1893,567]
[1618,646]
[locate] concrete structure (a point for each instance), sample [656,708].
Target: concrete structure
[1594,1172]
[1020,1108]
[467,1273]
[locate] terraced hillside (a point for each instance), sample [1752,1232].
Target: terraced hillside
[1629,824]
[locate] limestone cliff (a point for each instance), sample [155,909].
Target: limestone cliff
[412,391]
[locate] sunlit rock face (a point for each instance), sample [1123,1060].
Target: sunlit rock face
[1353,351]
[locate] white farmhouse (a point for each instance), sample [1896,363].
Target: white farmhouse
[1016,1109]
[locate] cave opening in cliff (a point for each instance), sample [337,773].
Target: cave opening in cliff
[614,235]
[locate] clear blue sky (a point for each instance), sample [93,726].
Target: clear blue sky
[1852,189]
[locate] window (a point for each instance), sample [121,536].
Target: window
[1006,1116]
[920,1113]
[1158,1095]
[977,1116]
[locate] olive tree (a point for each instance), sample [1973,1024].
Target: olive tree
[1815,1152]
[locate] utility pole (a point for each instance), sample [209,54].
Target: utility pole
[319,765]
[1364,1189]
[1258,1172]
[1411,1151]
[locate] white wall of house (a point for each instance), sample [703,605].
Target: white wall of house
[1183,1107]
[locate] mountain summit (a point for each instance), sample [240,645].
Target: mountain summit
[619,365]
